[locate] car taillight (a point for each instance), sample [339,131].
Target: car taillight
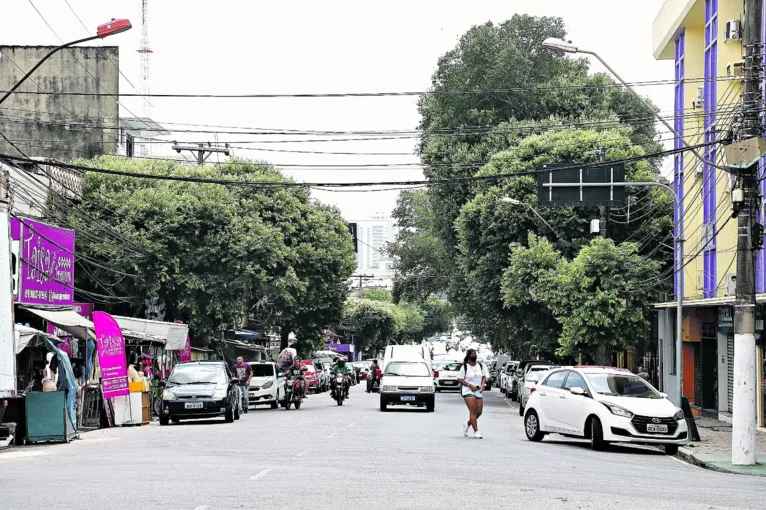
[436,374]
[532,390]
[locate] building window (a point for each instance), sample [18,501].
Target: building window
[678,163]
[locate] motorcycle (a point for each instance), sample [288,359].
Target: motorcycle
[340,388]
[293,393]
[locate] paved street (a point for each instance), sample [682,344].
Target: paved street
[354,456]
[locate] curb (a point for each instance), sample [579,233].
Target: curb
[694,461]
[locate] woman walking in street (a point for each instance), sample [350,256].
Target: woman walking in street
[472,378]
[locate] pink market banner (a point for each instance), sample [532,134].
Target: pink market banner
[46,262]
[111,355]
[185,354]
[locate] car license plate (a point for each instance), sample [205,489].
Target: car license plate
[662,429]
[449,383]
[193,405]
[407,398]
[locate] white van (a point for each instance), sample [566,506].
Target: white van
[407,353]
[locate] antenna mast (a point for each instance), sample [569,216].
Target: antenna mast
[145,51]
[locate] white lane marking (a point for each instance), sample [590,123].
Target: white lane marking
[351,425]
[201,507]
[301,453]
[331,435]
[261,474]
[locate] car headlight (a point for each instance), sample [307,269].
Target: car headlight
[617,410]
[268,385]
[427,389]
[389,388]
[168,395]
[220,394]
[679,415]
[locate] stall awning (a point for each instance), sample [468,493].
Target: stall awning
[67,320]
[25,334]
[175,334]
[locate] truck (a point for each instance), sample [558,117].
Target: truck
[407,352]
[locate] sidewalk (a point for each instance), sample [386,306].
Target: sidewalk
[714,451]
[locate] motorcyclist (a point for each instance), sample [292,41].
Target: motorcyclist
[296,370]
[372,376]
[340,367]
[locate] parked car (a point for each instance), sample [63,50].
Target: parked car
[535,373]
[407,383]
[521,372]
[266,387]
[505,376]
[311,375]
[200,389]
[445,378]
[323,369]
[605,405]
[362,368]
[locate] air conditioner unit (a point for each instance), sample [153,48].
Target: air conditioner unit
[699,101]
[735,70]
[733,30]
[731,284]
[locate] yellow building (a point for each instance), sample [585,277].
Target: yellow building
[705,40]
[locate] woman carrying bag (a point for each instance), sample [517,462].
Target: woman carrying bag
[472,378]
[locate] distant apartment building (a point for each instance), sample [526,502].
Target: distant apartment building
[373,235]
[43,120]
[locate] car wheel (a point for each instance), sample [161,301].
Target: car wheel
[532,427]
[229,416]
[164,420]
[596,435]
[671,449]
[383,405]
[176,420]
[430,406]
[237,414]
[274,405]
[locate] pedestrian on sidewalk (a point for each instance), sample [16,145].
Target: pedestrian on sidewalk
[472,378]
[244,373]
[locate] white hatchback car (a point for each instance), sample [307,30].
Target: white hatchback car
[535,374]
[265,387]
[605,405]
[445,377]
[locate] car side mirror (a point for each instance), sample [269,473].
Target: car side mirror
[161,384]
[663,395]
[235,380]
[577,391]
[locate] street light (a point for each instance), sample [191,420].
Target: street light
[567,47]
[113,27]
[513,201]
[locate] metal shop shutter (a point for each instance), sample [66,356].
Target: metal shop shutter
[730,370]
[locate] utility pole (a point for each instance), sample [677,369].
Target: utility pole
[202,151]
[745,199]
[7,340]
[604,210]
[362,277]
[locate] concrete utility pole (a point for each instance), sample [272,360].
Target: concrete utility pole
[7,341]
[746,200]
[202,151]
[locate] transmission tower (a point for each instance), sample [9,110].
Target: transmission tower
[145,51]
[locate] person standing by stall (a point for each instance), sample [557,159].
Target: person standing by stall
[244,373]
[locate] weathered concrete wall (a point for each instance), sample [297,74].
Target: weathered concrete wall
[59,126]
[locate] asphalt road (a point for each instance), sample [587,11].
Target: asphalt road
[354,456]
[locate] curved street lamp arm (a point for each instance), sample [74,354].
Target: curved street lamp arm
[541,218]
[654,112]
[46,57]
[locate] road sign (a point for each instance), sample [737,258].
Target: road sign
[581,186]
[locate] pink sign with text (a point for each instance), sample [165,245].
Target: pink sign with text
[111,355]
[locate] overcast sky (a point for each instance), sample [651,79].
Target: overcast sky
[300,46]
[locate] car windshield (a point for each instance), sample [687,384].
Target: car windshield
[262,370]
[310,367]
[622,385]
[197,374]
[452,367]
[407,369]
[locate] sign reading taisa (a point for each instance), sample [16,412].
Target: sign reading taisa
[43,263]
